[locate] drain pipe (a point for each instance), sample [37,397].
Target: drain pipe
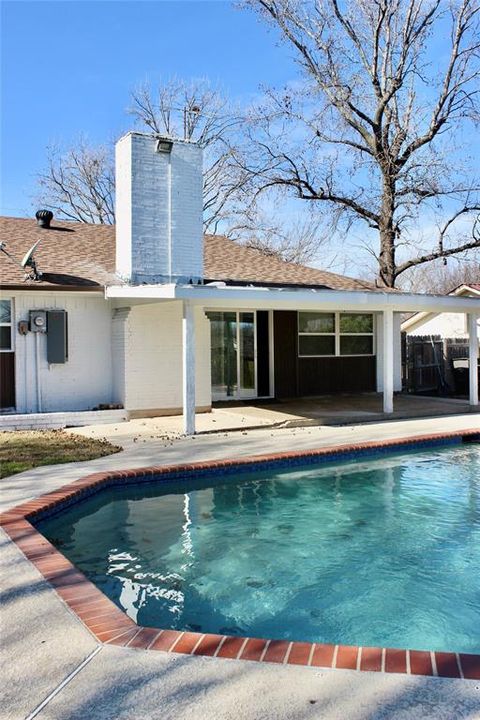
[37,372]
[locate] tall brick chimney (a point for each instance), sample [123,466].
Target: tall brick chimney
[159,233]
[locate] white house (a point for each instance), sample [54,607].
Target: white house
[155,317]
[446,325]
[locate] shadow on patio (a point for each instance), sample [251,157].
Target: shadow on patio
[327,410]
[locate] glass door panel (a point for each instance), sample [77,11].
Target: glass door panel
[233,355]
[246,329]
[224,354]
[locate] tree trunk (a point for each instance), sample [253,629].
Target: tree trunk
[387,274]
[387,265]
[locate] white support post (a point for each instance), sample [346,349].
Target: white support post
[388,364]
[473,357]
[188,345]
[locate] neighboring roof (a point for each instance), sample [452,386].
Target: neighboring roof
[82,256]
[466,289]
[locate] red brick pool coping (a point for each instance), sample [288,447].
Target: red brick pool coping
[112,626]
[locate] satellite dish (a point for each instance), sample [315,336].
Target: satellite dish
[27,262]
[28,257]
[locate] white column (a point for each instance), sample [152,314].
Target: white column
[473,357]
[388,364]
[188,346]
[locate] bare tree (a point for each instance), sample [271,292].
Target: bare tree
[371,128]
[79,183]
[442,276]
[298,240]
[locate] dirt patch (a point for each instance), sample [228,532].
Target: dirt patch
[23,450]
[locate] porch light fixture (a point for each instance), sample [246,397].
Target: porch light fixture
[163,145]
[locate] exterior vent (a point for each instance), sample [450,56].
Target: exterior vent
[44,218]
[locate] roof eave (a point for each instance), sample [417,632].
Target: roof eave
[9,287]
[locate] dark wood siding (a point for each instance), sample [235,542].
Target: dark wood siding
[263,355]
[320,376]
[300,377]
[285,353]
[7,379]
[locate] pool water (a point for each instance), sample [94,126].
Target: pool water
[382,552]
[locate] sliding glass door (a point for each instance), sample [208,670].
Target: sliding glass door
[233,355]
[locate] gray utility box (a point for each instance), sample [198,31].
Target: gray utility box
[57,336]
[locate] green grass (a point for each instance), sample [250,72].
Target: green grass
[23,450]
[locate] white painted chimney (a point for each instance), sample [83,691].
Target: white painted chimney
[159,231]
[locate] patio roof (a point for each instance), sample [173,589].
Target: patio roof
[269,298]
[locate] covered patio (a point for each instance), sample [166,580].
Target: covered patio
[385,308]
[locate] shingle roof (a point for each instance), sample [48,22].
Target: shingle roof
[83,256]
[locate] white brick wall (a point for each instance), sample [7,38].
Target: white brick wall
[116,355]
[85,380]
[159,235]
[153,357]
[119,348]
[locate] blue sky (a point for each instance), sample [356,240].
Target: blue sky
[68,68]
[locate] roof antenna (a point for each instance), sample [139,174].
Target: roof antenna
[28,261]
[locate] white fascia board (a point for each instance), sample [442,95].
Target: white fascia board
[287,299]
[48,292]
[141,292]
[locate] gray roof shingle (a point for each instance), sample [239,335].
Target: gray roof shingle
[78,255]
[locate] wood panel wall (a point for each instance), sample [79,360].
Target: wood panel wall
[300,377]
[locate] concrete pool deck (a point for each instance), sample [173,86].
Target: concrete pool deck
[44,642]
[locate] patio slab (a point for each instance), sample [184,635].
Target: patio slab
[302,412]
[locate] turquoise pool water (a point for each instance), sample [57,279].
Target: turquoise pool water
[382,552]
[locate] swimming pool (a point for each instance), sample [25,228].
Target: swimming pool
[368,552]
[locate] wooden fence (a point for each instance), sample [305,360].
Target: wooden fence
[435,365]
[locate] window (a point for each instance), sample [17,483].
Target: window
[356,334]
[5,325]
[316,333]
[335,334]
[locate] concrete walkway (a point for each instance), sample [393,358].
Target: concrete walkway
[51,663]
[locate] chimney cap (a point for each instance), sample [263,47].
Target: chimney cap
[44,218]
